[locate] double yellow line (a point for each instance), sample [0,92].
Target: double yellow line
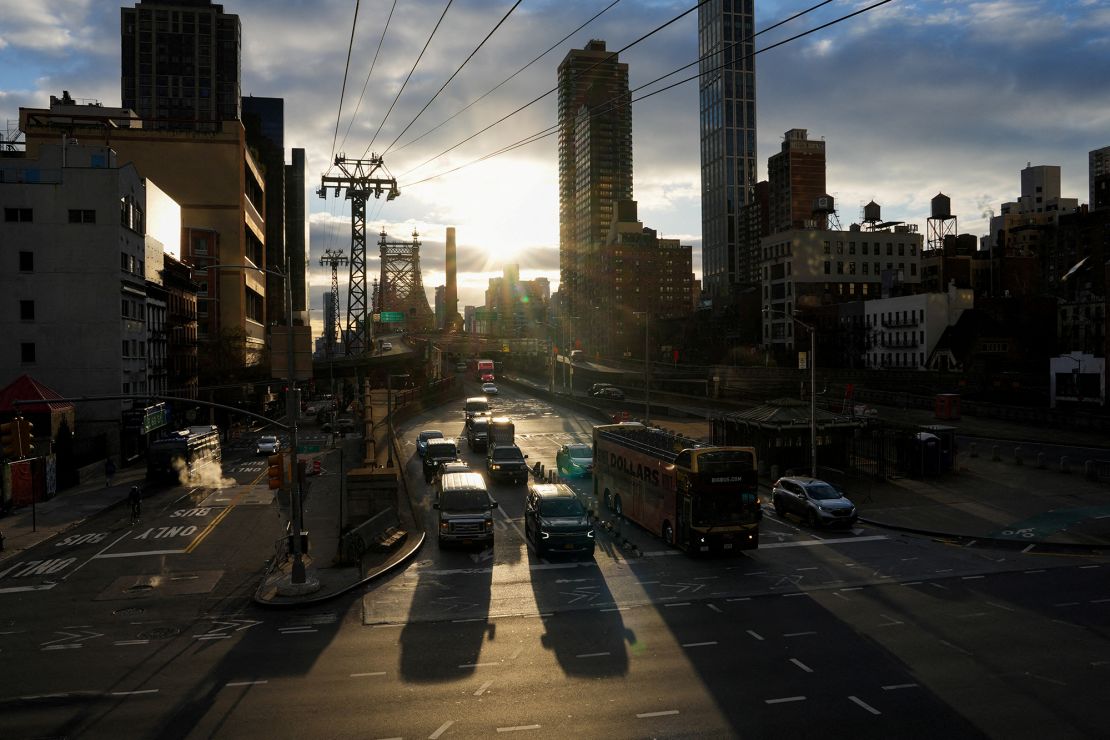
[219,518]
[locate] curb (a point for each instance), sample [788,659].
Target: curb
[993,541]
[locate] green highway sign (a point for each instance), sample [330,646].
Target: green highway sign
[394,316]
[305,449]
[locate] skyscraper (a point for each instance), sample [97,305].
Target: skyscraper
[1098,177]
[726,104]
[180,63]
[595,167]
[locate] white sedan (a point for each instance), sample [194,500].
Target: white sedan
[489,389]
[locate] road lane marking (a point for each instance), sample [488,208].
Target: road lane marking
[1099,601]
[664,713]
[478,665]
[898,686]
[971,578]
[715,608]
[1034,571]
[135,693]
[482,689]
[864,704]
[207,530]
[518,728]
[796,593]
[1067,603]
[1085,567]
[592,655]
[801,665]
[246,683]
[442,729]
[680,603]
[853,588]
[812,543]
[21,589]
[372,673]
[131,642]
[698,644]
[756,635]
[137,554]
[784,700]
[106,548]
[740,598]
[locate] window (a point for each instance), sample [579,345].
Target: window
[839,268]
[827,248]
[913,268]
[19,215]
[126,349]
[27,352]
[851,247]
[125,308]
[889,249]
[26,261]
[851,268]
[27,310]
[828,267]
[864,266]
[840,247]
[901,250]
[80,216]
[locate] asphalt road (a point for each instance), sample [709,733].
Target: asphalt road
[149,632]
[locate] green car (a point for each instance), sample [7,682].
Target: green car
[575,459]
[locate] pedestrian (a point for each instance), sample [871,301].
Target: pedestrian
[109,472]
[135,498]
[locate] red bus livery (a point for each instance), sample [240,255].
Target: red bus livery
[698,497]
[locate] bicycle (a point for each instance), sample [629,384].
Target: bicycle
[137,513]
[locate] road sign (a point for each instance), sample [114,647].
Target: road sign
[391,316]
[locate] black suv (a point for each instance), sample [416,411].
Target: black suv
[477,432]
[506,462]
[439,451]
[556,521]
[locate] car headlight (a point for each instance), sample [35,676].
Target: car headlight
[495,466]
[489,525]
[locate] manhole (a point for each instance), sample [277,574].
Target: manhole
[129,611]
[160,633]
[138,587]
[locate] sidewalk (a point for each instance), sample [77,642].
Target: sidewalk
[28,526]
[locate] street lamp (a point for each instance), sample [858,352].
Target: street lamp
[292,409]
[389,412]
[812,361]
[647,367]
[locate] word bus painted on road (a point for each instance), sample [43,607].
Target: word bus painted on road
[695,496]
[182,455]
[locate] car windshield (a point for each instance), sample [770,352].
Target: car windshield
[267,440]
[580,451]
[464,501]
[561,507]
[724,507]
[430,435]
[507,453]
[821,491]
[442,450]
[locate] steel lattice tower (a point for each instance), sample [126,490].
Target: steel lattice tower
[402,288]
[333,258]
[357,176]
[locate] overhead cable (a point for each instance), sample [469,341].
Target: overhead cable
[343,88]
[373,63]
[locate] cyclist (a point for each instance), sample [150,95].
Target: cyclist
[135,498]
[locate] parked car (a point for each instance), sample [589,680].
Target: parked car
[611,392]
[556,521]
[506,462]
[423,437]
[489,389]
[575,459]
[268,445]
[817,503]
[387,346]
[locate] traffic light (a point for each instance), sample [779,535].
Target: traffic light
[26,433]
[276,470]
[9,434]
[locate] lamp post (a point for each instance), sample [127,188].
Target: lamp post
[812,361]
[647,367]
[292,409]
[389,413]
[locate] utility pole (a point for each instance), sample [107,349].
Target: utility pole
[357,176]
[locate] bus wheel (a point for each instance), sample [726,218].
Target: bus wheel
[668,533]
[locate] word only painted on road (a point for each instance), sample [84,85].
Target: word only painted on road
[161,533]
[37,567]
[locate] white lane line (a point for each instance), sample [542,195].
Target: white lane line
[665,713]
[518,728]
[911,583]
[22,589]
[131,642]
[784,700]
[296,630]
[106,548]
[516,653]
[591,655]
[67,646]
[796,593]
[1085,567]
[756,572]
[699,644]
[477,665]
[715,608]
[372,673]
[442,729]
[45,696]
[1001,606]
[971,578]
[797,634]
[801,665]
[380,626]
[136,554]
[937,585]
[943,570]
[680,603]
[482,689]
[899,686]
[135,693]
[973,615]
[1067,603]
[245,683]
[211,637]
[954,647]
[1099,601]
[813,568]
[853,588]
[864,704]
[1034,571]
[472,619]
[740,598]
[756,635]
[1027,548]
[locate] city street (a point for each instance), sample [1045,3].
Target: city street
[115,630]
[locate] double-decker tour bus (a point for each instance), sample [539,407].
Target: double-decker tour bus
[699,497]
[187,450]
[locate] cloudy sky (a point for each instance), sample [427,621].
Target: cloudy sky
[912,98]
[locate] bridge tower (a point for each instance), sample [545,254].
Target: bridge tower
[401,287]
[358,177]
[333,258]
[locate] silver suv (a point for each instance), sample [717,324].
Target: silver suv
[465,510]
[817,503]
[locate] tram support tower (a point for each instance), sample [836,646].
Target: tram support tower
[333,258]
[361,180]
